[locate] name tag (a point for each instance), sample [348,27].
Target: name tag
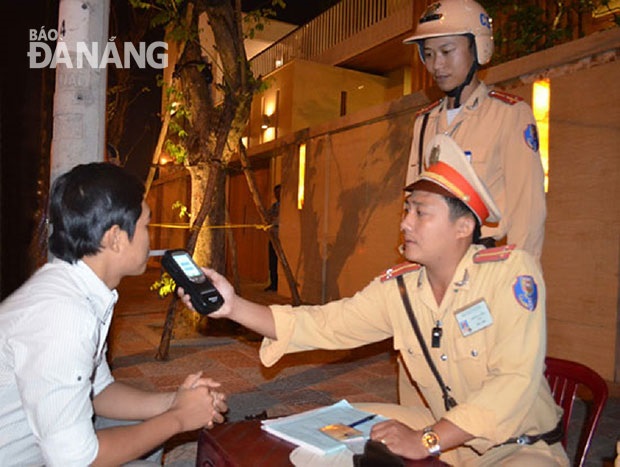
[474,318]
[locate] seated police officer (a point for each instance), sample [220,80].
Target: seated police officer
[54,378]
[480,314]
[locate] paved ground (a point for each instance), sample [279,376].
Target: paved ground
[228,354]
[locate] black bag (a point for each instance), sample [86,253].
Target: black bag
[377,454]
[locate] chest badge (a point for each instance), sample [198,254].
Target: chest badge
[474,318]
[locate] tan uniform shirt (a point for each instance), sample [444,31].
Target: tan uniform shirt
[495,374]
[501,138]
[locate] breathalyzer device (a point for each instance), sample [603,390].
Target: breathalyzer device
[186,273]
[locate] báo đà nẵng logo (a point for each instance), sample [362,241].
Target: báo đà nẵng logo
[92,54]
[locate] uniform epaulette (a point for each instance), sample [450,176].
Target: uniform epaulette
[399,270]
[490,255]
[505,97]
[428,108]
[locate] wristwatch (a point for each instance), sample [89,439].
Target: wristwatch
[430,440]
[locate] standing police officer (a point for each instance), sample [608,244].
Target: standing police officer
[495,129]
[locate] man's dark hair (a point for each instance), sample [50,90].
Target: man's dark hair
[459,209]
[85,202]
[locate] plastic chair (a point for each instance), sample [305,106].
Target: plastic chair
[565,377]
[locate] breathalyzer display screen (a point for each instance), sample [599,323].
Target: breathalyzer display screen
[189,267]
[187,274]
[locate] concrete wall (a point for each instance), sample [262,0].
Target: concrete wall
[347,232]
[305,94]
[251,243]
[581,251]
[581,255]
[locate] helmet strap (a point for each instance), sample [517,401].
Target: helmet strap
[456,92]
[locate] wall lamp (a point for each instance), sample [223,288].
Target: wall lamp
[266,122]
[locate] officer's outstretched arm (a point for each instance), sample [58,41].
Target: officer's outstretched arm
[252,315]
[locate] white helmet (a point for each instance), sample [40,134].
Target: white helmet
[453,18]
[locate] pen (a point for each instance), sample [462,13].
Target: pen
[361,420]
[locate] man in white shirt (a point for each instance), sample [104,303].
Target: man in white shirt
[54,378]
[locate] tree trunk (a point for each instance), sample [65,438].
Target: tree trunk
[80,96]
[213,130]
[204,177]
[164,342]
[201,251]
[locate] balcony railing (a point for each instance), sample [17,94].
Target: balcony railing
[335,25]
[556,23]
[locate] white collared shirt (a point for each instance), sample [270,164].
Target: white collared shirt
[53,334]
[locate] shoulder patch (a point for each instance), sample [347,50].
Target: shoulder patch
[531,137]
[526,292]
[428,108]
[492,255]
[399,270]
[508,98]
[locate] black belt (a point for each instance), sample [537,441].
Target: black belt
[550,437]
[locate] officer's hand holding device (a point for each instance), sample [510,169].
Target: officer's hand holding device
[204,296]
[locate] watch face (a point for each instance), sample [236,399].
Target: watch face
[430,440]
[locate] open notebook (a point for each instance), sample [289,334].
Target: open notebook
[304,429]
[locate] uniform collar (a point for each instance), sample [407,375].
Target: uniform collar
[473,102]
[463,274]
[461,280]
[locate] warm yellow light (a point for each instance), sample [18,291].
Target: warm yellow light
[270,105]
[244,141]
[164,158]
[541,100]
[302,176]
[269,134]
[266,122]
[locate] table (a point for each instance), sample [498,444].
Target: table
[245,444]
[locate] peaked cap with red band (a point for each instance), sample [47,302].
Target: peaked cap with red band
[448,168]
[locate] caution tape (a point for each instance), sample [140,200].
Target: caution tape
[225,226]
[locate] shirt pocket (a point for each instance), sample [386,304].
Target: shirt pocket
[470,357]
[416,363]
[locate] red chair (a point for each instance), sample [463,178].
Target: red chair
[565,377]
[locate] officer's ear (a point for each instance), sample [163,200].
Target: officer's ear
[465,226]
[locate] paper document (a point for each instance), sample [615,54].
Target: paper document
[304,429]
